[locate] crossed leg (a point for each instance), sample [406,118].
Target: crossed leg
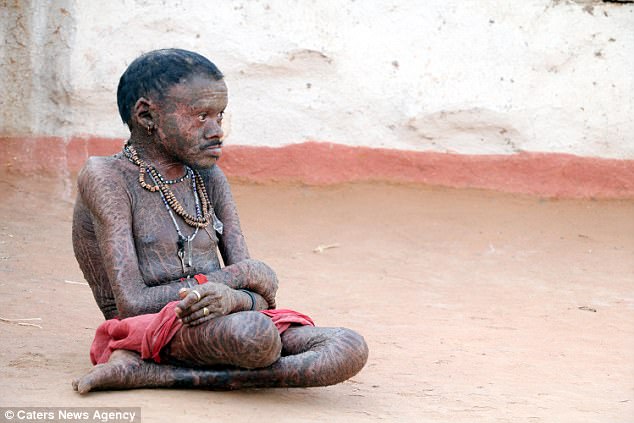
[310,356]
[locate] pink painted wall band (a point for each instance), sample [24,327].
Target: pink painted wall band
[318,163]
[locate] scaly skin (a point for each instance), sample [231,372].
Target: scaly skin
[312,357]
[126,244]
[246,339]
[123,233]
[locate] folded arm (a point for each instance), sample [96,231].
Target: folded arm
[109,201]
[240,271]
[103,191]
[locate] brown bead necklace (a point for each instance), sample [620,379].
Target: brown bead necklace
[206,215]
[204,210]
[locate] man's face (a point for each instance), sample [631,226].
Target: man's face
[189,121]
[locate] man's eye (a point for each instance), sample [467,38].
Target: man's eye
[202,117]
[221,115]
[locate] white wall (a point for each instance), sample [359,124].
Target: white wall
[465,76]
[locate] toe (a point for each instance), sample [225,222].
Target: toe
[84,386]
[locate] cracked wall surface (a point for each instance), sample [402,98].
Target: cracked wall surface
[36,86]
[489,77]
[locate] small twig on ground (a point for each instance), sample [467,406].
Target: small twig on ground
[4,319]
[22,322]
[586,308]
[321,248]
[76,283]
[29,324]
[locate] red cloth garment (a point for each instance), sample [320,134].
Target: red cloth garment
[147,334]
[200,278]
[160,332]
[283,318]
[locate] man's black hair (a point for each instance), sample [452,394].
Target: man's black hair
[155,72]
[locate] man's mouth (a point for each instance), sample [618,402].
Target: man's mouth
[215,148]
[214,144]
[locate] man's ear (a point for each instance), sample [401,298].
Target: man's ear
[143,113]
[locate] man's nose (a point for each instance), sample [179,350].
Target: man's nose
[213,129]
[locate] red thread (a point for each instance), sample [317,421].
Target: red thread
[200,278]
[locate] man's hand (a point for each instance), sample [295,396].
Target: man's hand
[215,300]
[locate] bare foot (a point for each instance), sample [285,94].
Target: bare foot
[124,370]
[316,357]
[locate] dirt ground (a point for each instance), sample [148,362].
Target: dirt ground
[477,306]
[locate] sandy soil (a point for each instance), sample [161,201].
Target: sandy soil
[477,306]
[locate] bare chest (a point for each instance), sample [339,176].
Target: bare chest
[167,247]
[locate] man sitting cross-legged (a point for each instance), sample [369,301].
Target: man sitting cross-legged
[147,224]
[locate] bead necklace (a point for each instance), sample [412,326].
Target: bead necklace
[203,206]
[207,214]
[184,243]
[175,181]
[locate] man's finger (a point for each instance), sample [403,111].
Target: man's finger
[201,320]
[191,299]
[199,315]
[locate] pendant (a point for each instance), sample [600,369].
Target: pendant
[188,252]
[216,223]
[181,252]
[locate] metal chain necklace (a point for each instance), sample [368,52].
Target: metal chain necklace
[207,215]
[204,210]
[184,243]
